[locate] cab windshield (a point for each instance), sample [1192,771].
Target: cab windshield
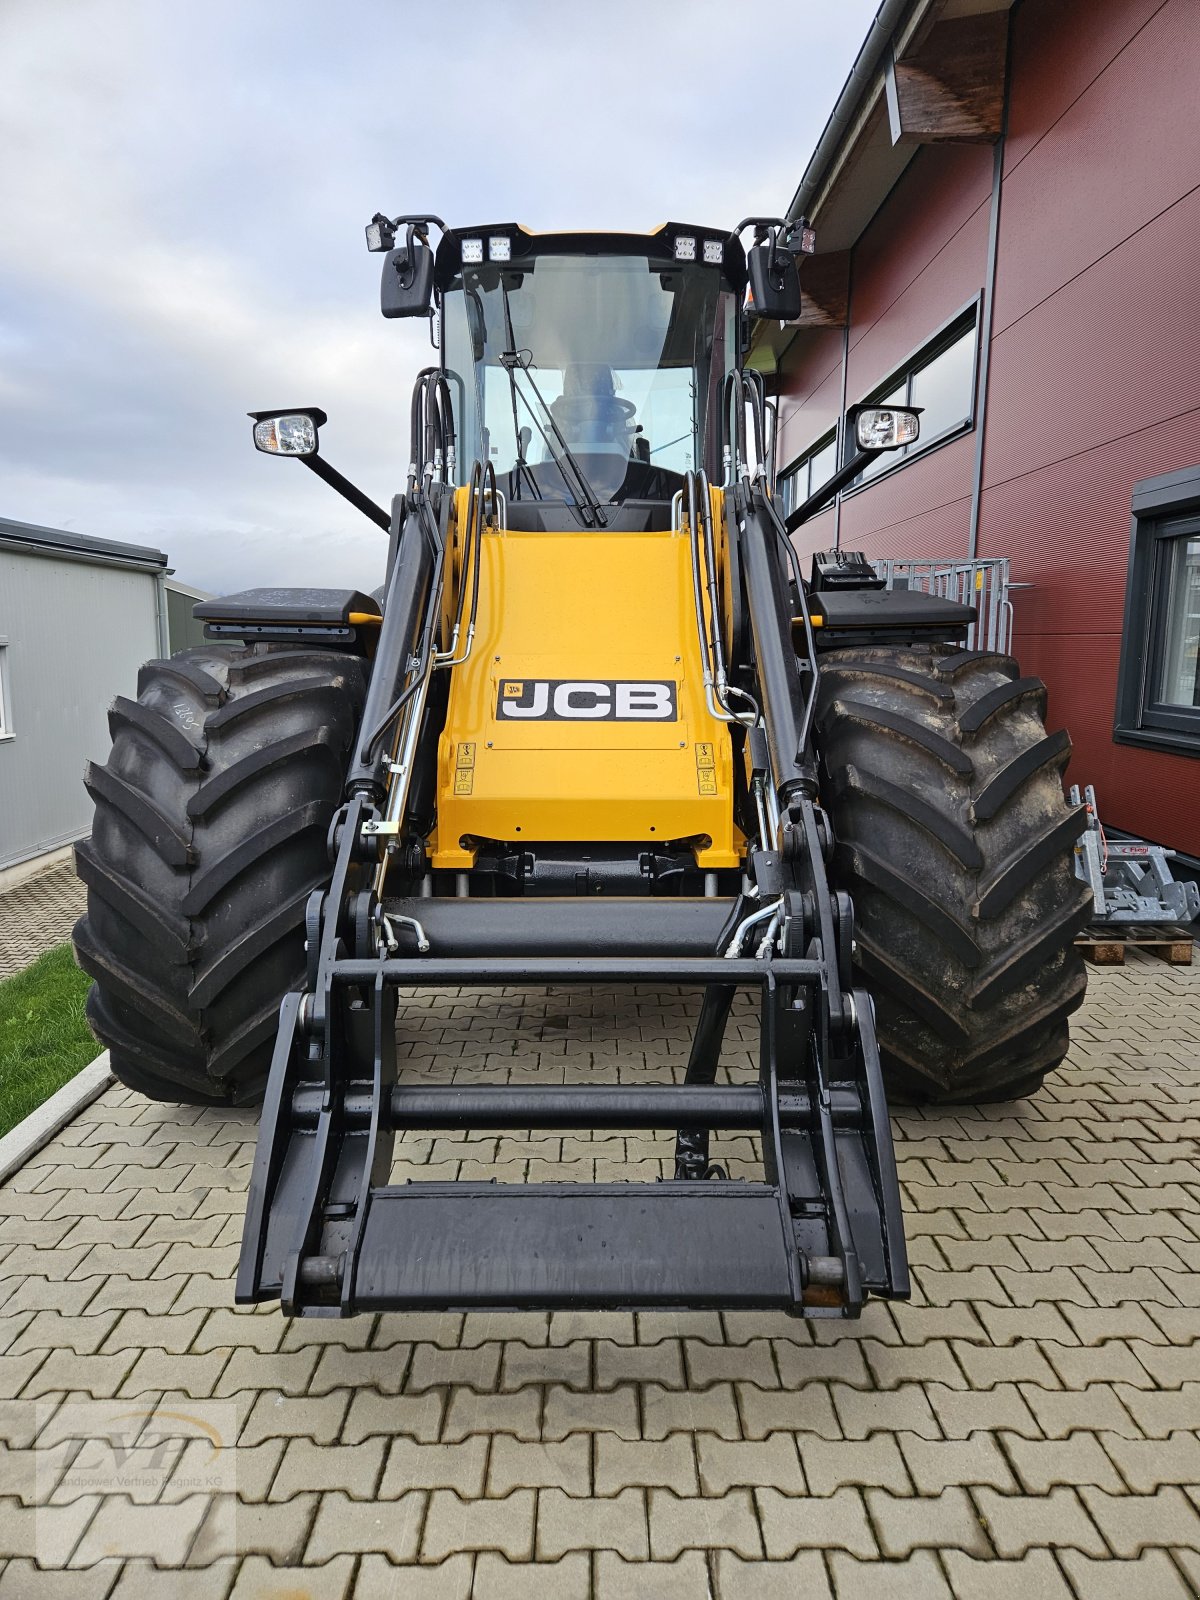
[588,376]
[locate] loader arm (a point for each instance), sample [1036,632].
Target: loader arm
[326,1232]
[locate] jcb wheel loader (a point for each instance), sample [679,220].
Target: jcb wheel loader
[596,728]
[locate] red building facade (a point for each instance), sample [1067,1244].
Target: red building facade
[1007,207]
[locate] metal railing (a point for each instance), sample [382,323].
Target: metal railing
[982,584]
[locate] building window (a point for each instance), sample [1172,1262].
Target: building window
[940,378]
[6,731]
[1179,672]
[1158,695]
[804,477]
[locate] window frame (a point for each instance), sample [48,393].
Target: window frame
[966,319]
[805,460]
[1164,509]
[6,726]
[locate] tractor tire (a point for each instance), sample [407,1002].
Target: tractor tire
[210,832]
[953,836]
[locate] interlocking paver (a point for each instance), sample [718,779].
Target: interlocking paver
[727,1522]
[518,1413]
[1132,1523]
[567,1364]
[1041,1463]
[617,1523]
[162,1532]
[644,1463]
[917,1578]
[281,1416]
[1041,1394]
[418,1416]
[801,1575]
[766,1411]
[20,1579]
[1151,1575]
[498,1579]
[505,1525]
[563,1464]
[1159,1412]
[749,1363]
[353,1467]
[773,1460]
[1145,1464]
[435,1466]
[696,1410]
[433,1367]
[378,1579]
[199,1375]
[905,1409]
[618,1579]
[1035,1576]
[831,1464]
[837,1522]
[569,1412]
[948,1521]
[279,1532]
[962,1412]
[660,1362]
[391,1528]
[1017,1523]
[257,1580]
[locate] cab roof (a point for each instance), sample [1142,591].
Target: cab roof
[659,243]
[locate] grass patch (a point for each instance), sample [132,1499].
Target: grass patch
[44,1037]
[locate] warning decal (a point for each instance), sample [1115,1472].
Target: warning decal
[464,771]
[706,768]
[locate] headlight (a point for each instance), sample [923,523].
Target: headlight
[886,427]
[291,434]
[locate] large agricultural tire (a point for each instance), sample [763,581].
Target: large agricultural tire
[956,843]
[210,832]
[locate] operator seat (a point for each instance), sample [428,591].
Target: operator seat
[590,413]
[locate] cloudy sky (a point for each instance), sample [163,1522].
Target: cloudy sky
[183,190]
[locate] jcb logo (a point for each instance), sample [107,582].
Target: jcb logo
[585,700]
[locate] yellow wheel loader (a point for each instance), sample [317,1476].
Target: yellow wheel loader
[597,728]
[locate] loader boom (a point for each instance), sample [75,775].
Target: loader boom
[589,646]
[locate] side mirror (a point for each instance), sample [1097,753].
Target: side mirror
[288,433]
[406,289]
[774,283]
[886,427]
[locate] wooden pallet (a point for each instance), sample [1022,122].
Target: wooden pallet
[1106,947]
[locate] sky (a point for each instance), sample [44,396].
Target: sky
[183,191]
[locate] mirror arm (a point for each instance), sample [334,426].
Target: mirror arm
[840,479]
[347,490]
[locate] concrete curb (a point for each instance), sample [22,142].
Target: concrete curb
[40,1126]
[23,872]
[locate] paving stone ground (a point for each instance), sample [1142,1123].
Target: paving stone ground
[1028,1426]
[37,915]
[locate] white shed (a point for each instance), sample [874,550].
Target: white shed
[78,616]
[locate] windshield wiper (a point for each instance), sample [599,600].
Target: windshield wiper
[585,496]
